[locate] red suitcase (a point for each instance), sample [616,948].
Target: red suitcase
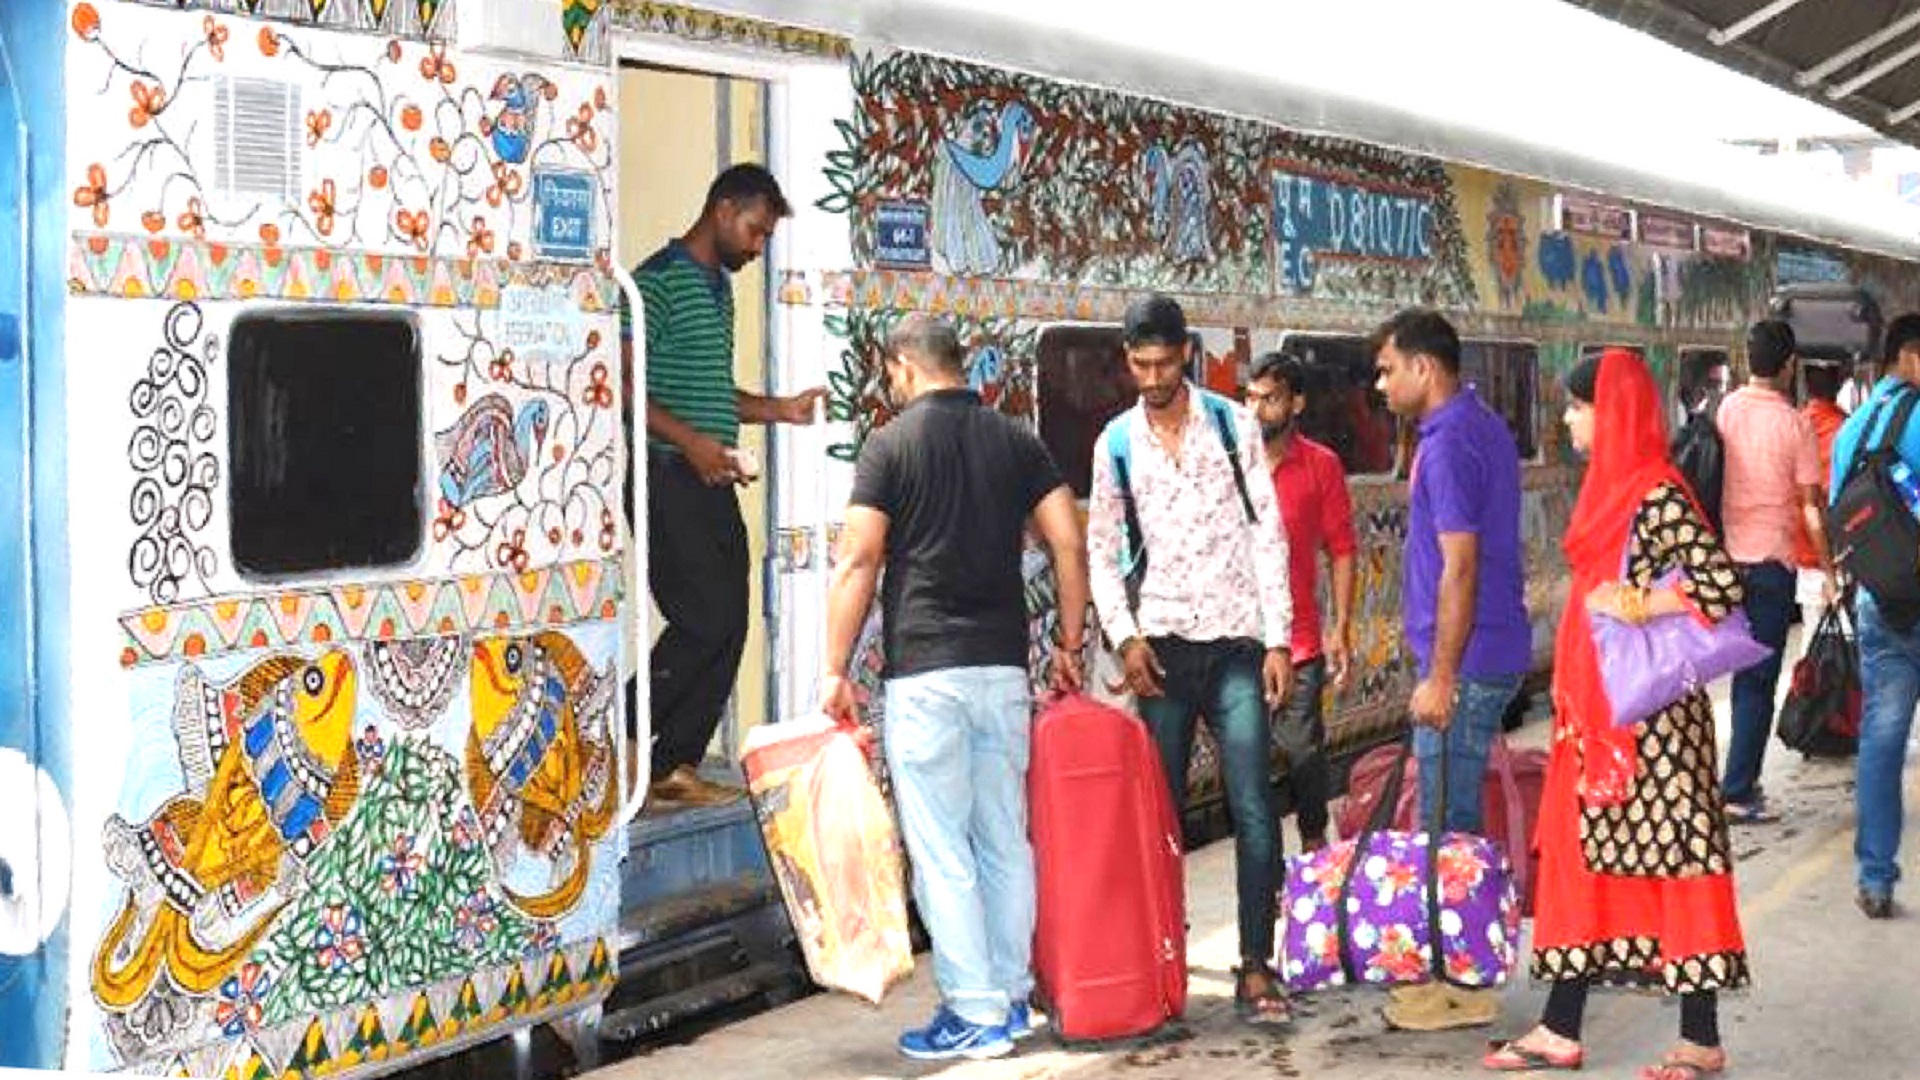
[1110,951]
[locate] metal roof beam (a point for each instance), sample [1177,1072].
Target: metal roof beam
[1875,73]
[1752,22]
[1896,117]
[1858,49]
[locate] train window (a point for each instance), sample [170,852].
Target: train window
[324,440]
[1344,411]
[1506,374]
[1083,383]
[1703,372]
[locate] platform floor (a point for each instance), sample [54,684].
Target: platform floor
[1834,993]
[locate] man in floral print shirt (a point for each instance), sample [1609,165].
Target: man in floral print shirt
[1207,629]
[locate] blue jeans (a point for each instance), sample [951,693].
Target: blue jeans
[957,744]
[1478,707]
[1770,603]
[1890,670]
[1221,679]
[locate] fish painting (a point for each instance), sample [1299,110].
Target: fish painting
[271,772]
[540,760]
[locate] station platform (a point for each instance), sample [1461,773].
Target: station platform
[1832,991]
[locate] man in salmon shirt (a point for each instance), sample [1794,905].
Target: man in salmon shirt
[1318,513]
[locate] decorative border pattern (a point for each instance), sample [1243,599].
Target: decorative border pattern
[574,592]
[133,267]
[711,27]
[1044,301]
[414,19]
[456,1011]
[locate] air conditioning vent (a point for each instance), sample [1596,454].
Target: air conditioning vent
[257,138]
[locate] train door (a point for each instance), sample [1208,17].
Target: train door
[679,129]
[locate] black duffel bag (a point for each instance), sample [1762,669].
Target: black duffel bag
[1821,716]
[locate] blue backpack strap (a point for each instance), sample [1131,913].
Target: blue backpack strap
[1222,413]
[1133,542]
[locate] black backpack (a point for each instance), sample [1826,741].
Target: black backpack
[1700,456]
[1874,535]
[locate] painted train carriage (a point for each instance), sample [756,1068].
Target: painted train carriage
[316,751]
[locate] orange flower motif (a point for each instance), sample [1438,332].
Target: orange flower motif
[149,101]
[435,65]
[217,35]
[451,519]
[411,118]
[599,395]
[513,552]
[480,240]
[514,250]
[322,204]
[501,369]
[377,177]
[194,220]
[270,234]
[506,184]
[413,227]
[269,42]
[600,98]
[94,194]
[154,220]
[580,129]
[86,22]
[394,50]
[440,149]
[318,122]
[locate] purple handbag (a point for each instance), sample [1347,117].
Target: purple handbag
[1648,667]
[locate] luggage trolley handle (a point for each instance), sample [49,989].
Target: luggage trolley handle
[1380,820]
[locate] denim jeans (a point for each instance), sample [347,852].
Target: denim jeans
[1770,600]
[1478,707]
[957,744]
[1301,732]
[1221,679]
[1890,670]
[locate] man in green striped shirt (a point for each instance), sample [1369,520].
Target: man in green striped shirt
[698,564]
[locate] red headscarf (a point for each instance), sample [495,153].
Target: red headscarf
[1629,460]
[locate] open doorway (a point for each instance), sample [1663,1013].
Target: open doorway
[679,129]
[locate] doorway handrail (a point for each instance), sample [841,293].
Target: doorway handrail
[633,791]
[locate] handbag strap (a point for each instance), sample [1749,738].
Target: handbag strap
[1379,821]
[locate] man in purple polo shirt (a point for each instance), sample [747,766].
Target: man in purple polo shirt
[1464,590]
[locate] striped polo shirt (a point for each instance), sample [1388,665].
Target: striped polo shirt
[689,361]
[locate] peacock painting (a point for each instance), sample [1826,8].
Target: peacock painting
[1180,197]
[985,156]
[489,451]
[512,129]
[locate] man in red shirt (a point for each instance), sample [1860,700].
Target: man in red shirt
[1317,515]
[1822,380]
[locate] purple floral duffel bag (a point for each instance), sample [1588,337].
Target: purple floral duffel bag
[1371,918]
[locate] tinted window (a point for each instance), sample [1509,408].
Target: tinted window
[324,441]
[1083,383]
[1344,411]
[1506,375]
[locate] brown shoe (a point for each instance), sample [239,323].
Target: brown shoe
[688,788]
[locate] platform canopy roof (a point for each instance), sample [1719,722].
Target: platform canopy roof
[1857,57]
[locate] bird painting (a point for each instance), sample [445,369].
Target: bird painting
[512,129]
[986,157]
[489,451]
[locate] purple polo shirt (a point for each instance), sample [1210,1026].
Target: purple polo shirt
[1466,479]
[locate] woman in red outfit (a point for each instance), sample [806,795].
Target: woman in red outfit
[1636,882]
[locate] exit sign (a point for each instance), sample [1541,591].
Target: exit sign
[563,211]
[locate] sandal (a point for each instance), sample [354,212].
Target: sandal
[1513,1057]
[1676,1067]
[1268,1007]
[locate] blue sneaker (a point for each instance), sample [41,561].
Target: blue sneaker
[951,1036]
[1020,1021]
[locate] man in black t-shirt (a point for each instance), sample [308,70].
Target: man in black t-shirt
[942,497]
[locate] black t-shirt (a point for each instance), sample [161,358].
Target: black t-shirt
[957,482]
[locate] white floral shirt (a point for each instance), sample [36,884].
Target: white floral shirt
[1210,575]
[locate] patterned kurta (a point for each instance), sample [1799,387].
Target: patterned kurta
[1642,893]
